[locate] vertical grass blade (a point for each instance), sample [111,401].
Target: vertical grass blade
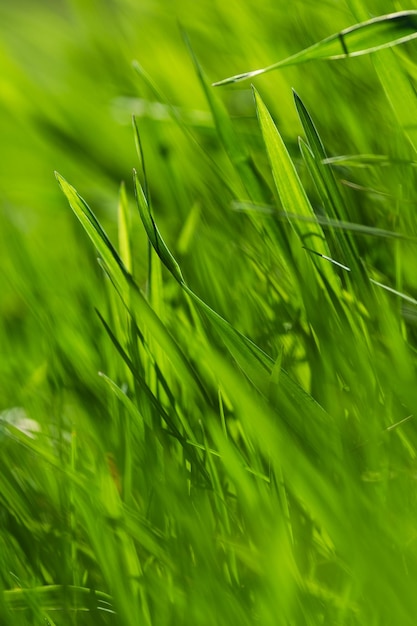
[290,189]
[95,232]
[153,233]
[237,153]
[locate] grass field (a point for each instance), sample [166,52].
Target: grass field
[208,367]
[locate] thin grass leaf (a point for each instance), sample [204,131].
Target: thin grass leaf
[380,32]
[397,293]
[400,294]
[231,142]
[153,233]
[290,189]
[339,242]
[326,180]
[366,160]
[139,152]
[95,232]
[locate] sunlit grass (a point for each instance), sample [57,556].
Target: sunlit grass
[213,422]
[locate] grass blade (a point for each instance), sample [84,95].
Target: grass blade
[236,152]
[380,32]
[95,232]
[290,189]
[153,233]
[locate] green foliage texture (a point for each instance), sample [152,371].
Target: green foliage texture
[208,317]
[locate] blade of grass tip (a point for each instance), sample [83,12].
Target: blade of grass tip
[154,282]
[95,232]
[380,32]
[153,233]
[336,204]
[139,151]
[124,229]
[235,150]
[337,240]
[398,88]
[290,189]
[184,127]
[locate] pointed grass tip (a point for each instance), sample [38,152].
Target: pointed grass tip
[237,78]
[327,258]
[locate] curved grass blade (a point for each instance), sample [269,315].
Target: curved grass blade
[335,201]
[290,189]
[153,233]
[366,160]
[128,291]
[380,32]
[94,230]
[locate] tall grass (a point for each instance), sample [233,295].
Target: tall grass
[207,408]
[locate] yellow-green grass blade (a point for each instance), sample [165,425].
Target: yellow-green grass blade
[232,144]
[380,32]
[185,129]
[153,233]
[325,179]
[397,85]
[95,232]
[291,191]
[400,92]
[124,229]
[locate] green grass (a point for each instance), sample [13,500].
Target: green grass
[207,399]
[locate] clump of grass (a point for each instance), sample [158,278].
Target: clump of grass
[246,453]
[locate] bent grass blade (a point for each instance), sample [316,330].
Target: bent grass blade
[380,32]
